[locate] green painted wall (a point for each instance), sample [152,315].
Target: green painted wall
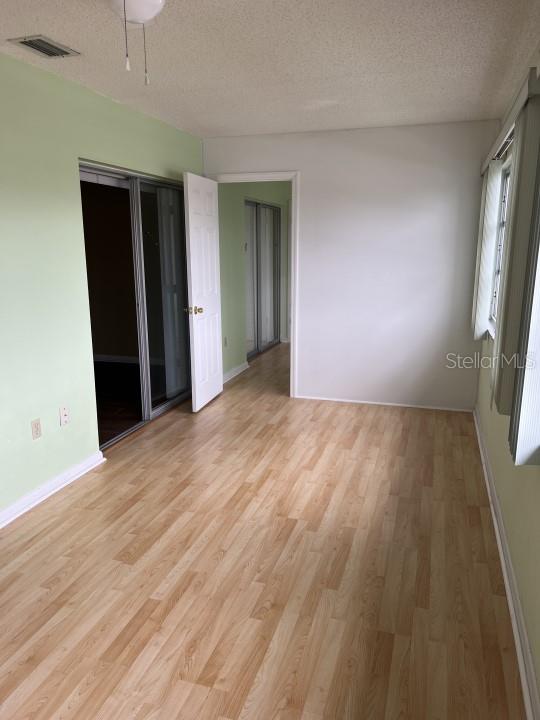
[46,125]
[232,258]
[518,489]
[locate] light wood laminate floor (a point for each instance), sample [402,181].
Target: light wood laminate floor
[267,558]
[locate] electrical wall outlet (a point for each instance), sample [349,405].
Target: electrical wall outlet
[64,416]
[36,429]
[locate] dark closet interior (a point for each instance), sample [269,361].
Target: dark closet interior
[113,309]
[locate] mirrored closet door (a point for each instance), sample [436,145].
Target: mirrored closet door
[135,243]
[164,251]
[262,253]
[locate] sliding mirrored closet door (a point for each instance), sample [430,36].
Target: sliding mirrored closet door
[164,252]
[268,243]
[251,278]
[262,246]
[135,243]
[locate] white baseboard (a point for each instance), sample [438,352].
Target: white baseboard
[230,374]
[523,649]
[387,404]
[52,486]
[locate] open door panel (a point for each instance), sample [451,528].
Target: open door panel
[202,249]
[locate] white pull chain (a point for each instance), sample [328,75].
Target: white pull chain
[146,76]
[128,66]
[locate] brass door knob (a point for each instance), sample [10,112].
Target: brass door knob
[188,310]
[197,309]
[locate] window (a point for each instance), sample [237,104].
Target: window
[501,234]
[489,240]
[525,418]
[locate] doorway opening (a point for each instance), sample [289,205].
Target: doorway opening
[256,232]
[135,247]
[253,183]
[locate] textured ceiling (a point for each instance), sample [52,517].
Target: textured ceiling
[236,67]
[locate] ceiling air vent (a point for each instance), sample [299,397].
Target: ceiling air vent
[44,46]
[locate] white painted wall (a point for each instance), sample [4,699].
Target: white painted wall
[388,224]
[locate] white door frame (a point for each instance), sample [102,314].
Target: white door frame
[294,177]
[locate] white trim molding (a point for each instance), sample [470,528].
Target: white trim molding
[233,372]
[384,404]
[523,649]
[294,239]
[529,88]
[249,177]
[41,493]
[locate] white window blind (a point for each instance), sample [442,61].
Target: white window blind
[479,248]
[487,242]
[501,234]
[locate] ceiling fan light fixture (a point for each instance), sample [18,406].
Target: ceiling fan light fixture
[138,12]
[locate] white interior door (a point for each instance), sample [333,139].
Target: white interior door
[202,249]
